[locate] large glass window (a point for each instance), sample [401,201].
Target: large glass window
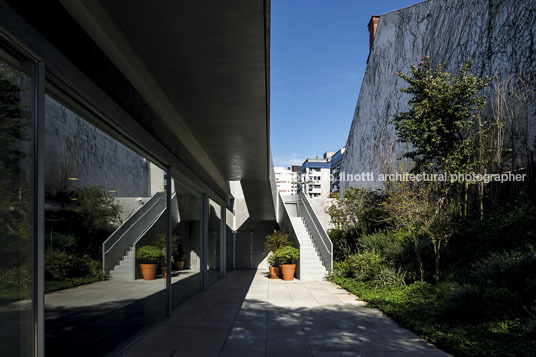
[105,228]
[16,209]
[214,239]
[185,242]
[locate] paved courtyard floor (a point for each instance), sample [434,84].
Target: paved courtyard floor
[247,314]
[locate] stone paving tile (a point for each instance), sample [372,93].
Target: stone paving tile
[242,353]
[248,314]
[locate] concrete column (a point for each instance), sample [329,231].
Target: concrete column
[223,244]
[204,239]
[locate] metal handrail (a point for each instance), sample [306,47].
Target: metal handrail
[116,235]
[119,241]
[327,258]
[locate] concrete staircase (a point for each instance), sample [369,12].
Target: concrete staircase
[311,267]
[125,270]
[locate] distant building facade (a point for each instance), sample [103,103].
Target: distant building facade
[286,180]
[314,176]
[336,163]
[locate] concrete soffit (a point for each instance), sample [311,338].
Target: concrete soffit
[108,35]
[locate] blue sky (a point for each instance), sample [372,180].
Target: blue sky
[319,50]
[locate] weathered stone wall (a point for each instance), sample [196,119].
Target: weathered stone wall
[499,35]
[76,148]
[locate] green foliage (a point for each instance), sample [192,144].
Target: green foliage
[61,266]
[508,275]
[272,260]
[419,307]
[149,254]
[275,241]
[342,246]
[444,113]
[95,210]
[89,215]
[287,255]
[180,254]
[391,246]
[358,211]
[63,270]
[61,242]
[177,251]
[463,303]
[387,276]
[361,266]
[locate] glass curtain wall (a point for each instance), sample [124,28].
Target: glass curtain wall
[16,208]
[186,216]
[214,239]
[105,237]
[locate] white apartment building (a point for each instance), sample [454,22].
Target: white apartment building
[336,164]
[286,180]
[314,177]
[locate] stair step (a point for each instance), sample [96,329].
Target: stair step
[312,268]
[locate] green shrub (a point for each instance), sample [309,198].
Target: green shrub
[339,270]
[61,266]
[509,275]
[287,255]
[463,303]
[389,276]
[390,245]
[343,245]
[275,241]
[362,266]
[64,270]
[272,260]
[62,242]
[149,254]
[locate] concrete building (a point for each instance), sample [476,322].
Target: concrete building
[314,176]
[497,35]
[286,180]
[134,133]
[336,164]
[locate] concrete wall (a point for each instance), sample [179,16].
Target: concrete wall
[76,148]
[319,205]
[499,35]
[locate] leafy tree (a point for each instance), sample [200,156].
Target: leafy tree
[414,211]
[443,122]
[410,212]
[359,211]
[88,214]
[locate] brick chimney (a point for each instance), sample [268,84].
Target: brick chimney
[373,23]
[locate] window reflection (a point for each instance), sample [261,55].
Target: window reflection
[16,214]
[104,220]
[214,238]
[185,242]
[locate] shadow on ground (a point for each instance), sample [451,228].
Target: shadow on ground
[247,314]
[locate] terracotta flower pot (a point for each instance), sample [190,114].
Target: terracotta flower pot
[274,272]
[164,272]
[180,265]
[288,271]
[148,271]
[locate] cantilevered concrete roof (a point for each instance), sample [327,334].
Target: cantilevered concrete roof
[203,66]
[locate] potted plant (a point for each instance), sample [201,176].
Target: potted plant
[273,242]
[287,257]
[180,257]
[148,257]
[275,270]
